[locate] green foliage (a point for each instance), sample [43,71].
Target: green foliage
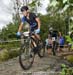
[5,54]
[34,4]
[70,58]
[11,45]
[13,53]
[55,21]
[68,39]
[66,70]
[9,32]
[44,26]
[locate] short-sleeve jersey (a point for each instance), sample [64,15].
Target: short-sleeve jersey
[32,22]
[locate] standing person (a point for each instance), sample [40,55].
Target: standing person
[61,42]
[32,19]
[49,44]
[71,35]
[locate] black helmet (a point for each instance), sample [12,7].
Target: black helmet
[24,8]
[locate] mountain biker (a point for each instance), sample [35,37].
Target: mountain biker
[32,19]
[53,32]
[54,35]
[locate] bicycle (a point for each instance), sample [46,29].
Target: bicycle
[28,50]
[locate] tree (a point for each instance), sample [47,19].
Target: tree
[62,7]
[10,30]
[34,5]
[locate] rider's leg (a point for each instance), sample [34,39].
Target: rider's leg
[37,36]
[49,49]
[34,44]
[37,39]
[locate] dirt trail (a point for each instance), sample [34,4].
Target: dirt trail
[46,64]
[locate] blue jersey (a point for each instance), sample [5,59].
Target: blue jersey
[61,41]
[32,22]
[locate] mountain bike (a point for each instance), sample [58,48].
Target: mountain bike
[28,50]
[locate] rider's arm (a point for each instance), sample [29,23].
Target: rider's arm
[20,27]
[38,21]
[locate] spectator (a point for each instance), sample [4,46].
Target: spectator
[61,42]
[71,35]
[49,44]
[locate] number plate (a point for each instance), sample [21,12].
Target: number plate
[26,33]
[53,39]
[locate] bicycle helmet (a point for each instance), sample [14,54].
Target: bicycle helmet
[24,8]
[50,29]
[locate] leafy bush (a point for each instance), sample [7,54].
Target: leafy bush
[70,58]
[66,70]
[69,40]
[5,54]
[14,53]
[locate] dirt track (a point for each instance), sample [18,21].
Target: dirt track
[46,64]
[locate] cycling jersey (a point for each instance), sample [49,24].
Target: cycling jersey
[54,33]
[32,22]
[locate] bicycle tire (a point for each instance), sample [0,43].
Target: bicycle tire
[24,66]
[40,47]
[41,50]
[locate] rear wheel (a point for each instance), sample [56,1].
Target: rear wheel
[41,49]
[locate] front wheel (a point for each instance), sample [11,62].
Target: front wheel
[26,57]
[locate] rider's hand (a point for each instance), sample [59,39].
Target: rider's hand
[18,33]
[37,31]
